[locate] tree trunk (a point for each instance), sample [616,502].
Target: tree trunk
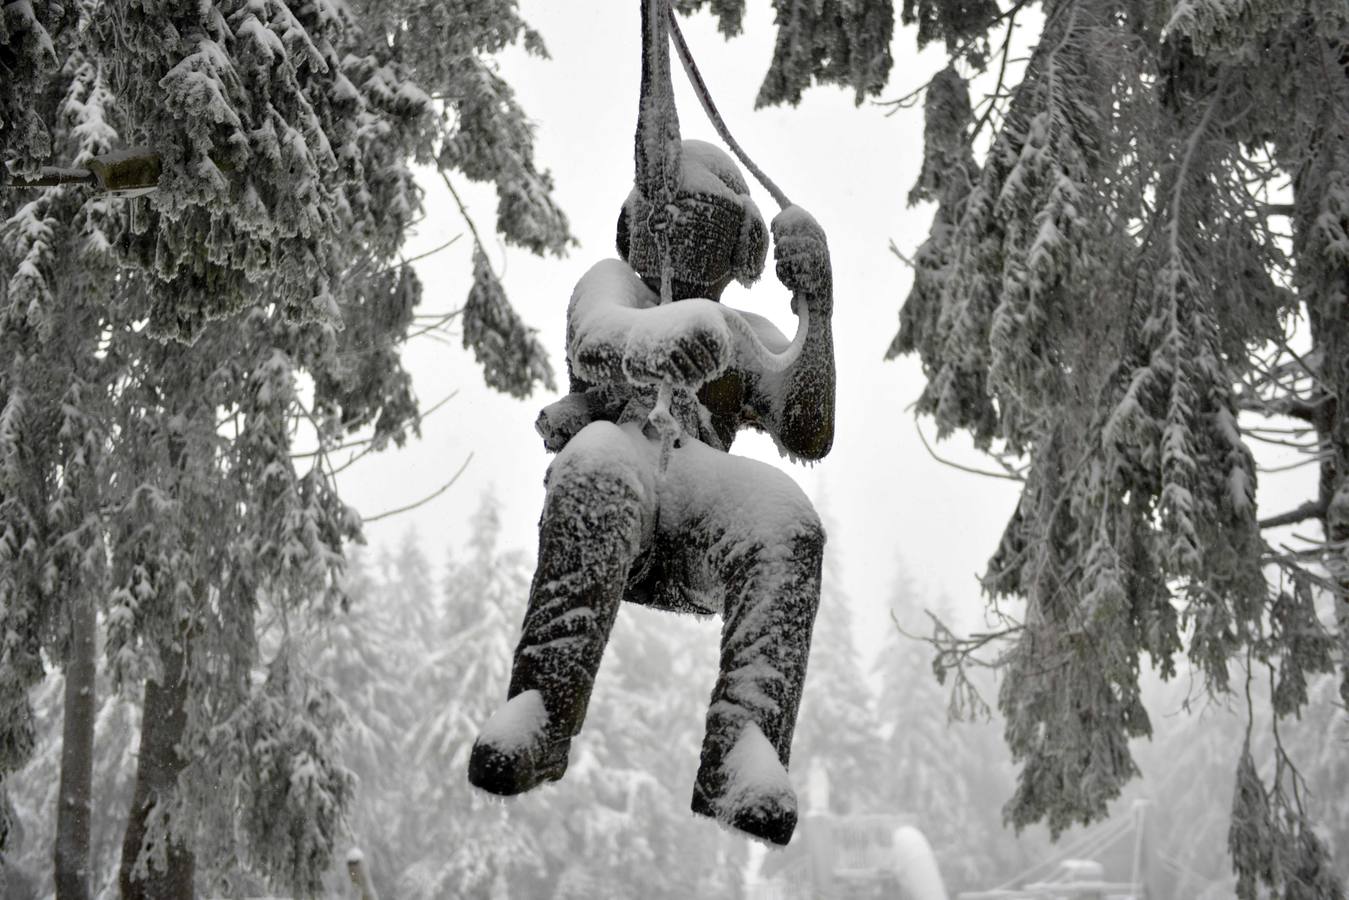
[1330,336]
[360,876]
[164,719]
[75,799]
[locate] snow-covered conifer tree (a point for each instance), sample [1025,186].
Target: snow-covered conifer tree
[459,843]
[1101,296]
[163,356]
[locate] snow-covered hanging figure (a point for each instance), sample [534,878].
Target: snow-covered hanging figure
[700,531]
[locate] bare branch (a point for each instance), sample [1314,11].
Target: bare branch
[1312,509]
[419,256]
[902,258]
[1002,74]
[423,501]
[366,442]
[955,465]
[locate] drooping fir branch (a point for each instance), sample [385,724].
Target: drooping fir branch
[512,357]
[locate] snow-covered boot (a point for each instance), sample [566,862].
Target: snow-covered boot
[751,791]
[515,751]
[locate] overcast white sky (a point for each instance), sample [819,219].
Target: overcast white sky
[890,504]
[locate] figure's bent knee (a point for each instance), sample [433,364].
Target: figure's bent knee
[601,452]
[599,486]
[783,515]
[809,527]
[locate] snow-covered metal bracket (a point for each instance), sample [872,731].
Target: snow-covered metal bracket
[131,172]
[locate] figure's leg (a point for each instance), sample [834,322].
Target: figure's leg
[598,509]
[773,589]
[766,544]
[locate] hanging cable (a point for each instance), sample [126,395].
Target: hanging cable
[705,98]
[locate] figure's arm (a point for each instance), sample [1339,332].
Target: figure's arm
[796,406]
[563,419]
[617,331]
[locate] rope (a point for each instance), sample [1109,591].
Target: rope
[657,152]
[705,98]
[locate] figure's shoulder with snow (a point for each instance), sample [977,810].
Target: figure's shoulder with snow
[599,317]
[609,282]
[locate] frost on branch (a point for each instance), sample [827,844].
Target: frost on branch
[1271,840]
[948,176]
[276,760]
[492,141]
[953,22]
[30,56]
[730,13]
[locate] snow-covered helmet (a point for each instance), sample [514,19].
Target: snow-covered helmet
[718,232]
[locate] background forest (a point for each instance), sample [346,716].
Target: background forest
[422,657]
